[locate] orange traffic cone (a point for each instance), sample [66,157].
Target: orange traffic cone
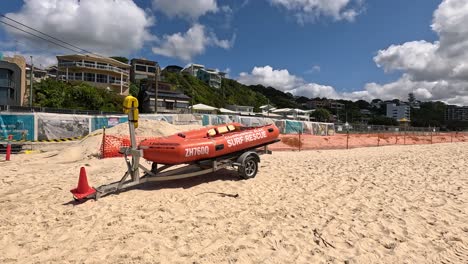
[83,190]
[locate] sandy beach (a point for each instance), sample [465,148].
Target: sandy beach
[391,204]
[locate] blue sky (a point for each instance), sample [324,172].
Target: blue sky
[328,55]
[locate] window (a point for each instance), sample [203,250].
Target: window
[101,78]
[89,77]
[78,75]
[12,94]
[102,65]
[151,69]
[182,105]
[140,68]
[169,105]
[65,61]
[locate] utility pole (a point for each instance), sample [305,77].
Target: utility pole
[31,73]
[268,107]
[156,89]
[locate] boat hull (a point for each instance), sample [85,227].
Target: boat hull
[195,145]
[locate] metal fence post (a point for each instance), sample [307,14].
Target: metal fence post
[300,142]
[404,137]
[431,136]
[8,149]
[347,139]
[103,144]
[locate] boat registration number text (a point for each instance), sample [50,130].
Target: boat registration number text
[197,151]
[246,137]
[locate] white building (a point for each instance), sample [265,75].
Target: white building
[242,109]
[192,69]
[398,111]
[211,77]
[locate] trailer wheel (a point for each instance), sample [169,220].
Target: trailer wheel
[249,168]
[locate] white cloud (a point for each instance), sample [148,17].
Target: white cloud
[191,43]
[433,71]
[40,60]
[314,69]
[286,82]
[311,10]
[192,9]
[109,27]
[279,79]
[312,90]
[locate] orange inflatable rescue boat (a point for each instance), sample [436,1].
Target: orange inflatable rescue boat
[207,143]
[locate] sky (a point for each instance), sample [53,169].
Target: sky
[349,49]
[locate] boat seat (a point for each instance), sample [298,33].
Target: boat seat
[211,132]
[223,130]
[231,128]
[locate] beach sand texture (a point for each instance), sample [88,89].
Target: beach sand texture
[392,204]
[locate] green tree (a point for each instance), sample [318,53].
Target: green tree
[321,115]
[429,114]
[383,121]
[134,90]
[76,95]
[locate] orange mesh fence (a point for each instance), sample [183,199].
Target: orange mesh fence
[343,141]
[111,144]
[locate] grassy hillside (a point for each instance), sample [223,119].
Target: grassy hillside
[276,97]
[231,92]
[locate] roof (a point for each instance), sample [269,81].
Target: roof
[95,57]
[143,60]
[224,110]
[168,94]
[291,110]
[203,107]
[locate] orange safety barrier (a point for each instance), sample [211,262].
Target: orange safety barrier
[111,144]
[299,142]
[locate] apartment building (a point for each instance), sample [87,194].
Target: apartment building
[456,113]
[245,109]
[173,69]
[398,111]
[314,104]
[210,76]
[192,69]
[98,71]
[12,81]
[143,69]
[38,75]
[169,101]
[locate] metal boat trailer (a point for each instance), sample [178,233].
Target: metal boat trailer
[246,161]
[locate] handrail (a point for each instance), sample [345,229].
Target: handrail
[72,78]
[91,65]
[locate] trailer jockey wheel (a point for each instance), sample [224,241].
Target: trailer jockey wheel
[249,168]
[154,168]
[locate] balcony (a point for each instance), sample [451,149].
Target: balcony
[112,82]
[80,64]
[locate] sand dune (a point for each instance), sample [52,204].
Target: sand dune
[394,204]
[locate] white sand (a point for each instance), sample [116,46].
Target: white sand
[396,204]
